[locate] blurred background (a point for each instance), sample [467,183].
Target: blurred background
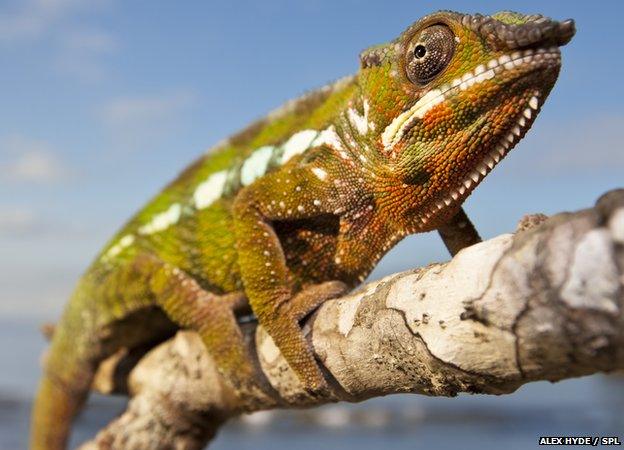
[102,102]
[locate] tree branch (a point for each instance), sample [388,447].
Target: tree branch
[544,304]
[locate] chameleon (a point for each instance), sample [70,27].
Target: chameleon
[298,207]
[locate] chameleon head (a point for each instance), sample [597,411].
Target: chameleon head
[461,90]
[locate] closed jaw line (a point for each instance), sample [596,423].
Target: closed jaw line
[488,162]
[394,132]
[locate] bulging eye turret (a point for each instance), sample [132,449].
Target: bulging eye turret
[429,53]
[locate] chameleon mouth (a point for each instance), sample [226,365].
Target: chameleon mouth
[457,195]
[526,60]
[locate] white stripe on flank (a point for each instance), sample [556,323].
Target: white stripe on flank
[256,165]
[328,137]
[210,190]
[126,241]
[298,143]
[358,121]
[163,220]
[123,243]
[320,173]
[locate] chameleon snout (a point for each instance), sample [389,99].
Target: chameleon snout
[513,31]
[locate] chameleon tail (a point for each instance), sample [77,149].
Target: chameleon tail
[88,332]
[64,385]
[53,413]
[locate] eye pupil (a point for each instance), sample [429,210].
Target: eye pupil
[432,50]
[420,51]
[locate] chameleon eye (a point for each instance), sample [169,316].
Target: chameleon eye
[429,53]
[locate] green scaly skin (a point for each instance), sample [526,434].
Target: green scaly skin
[301,205]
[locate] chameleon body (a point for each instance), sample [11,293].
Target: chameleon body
[301,205]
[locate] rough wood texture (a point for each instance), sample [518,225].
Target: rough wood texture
[544,304]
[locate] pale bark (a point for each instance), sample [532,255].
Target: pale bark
[544,304]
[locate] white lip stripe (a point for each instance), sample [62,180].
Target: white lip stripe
[399,126]
[395,130]
[210,190]
[163,220]
[298,143]
[256,165]
[489,161]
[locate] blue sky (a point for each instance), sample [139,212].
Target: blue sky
[103,101]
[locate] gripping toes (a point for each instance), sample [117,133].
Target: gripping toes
[288,336]
[310,298]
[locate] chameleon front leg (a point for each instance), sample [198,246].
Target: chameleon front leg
[459,233]
[212,316]
[285,195]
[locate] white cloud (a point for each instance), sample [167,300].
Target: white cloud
[36,166]
[29,160]
[20,26]
[89,41]
[35,18]
[132,110]
[88,70]
[18,222]
[134,119]
[76,48]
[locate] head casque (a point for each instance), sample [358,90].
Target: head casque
[460,91]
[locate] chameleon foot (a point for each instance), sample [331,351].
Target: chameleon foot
[212,316]
[285,329]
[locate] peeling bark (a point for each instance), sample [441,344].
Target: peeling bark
[544,304]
